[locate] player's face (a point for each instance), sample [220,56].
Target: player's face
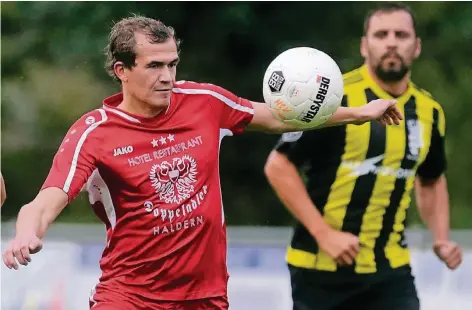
[390,45]
[152,78]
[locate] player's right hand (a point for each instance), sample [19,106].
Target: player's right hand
[20,249]
[340,246]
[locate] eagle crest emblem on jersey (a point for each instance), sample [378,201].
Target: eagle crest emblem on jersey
[173,180]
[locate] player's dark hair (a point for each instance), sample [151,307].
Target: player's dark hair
[388,7]
[122,42]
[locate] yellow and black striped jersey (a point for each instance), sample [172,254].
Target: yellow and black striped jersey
[361,177]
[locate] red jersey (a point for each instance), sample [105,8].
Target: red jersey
[154,182]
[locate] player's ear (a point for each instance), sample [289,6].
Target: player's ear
[364,47]
[119,69]
[418,47]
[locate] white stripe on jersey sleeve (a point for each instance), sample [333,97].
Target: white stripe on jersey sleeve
[224,99]
[75,158]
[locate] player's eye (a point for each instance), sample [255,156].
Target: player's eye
[381,34]
[402,34]
[154,65]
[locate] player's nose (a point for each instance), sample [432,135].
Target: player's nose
[165,76]
[391,40]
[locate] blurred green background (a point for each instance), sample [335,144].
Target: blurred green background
[52,72]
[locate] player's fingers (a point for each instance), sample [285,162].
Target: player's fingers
[381,120]
[454,263]
[352,253]
[7,258]
[35,246]
[17,253]
[394,117]
[454,255]
[398,113]
[340,262]
[395,112]
[347,259]
[25,254]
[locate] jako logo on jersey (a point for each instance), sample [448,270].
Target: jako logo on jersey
[369,166]
[320,97]
[122,150]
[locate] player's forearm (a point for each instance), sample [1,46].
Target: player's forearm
[289,187]
[38,215]
[30,221]
[344,116]
[433,204]
[265,120]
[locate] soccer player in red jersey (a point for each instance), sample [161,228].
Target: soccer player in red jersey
[148,159]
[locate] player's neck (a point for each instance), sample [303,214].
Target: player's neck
[139,108]
[394,88]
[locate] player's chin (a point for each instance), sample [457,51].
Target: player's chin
[160,102]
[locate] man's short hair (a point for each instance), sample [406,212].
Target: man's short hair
[388,7]
[122,42]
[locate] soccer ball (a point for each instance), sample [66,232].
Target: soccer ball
[303,87]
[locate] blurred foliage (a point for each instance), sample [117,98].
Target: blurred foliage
[52,72]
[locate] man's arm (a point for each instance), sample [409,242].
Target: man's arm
[384,111]
[3,191]
[32,223]
[38,215]
[432,199]
[72,166]
[432,196]
[289,187]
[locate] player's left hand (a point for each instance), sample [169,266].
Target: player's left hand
[449,252]
[384,111]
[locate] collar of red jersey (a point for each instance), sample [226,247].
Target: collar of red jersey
[110,104]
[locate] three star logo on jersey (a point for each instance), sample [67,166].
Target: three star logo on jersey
[173,180]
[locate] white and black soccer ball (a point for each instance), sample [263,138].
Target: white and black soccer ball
[303,86]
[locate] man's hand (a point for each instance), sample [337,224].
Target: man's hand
[340,246]
[384,111]
[449,252]
[20,249]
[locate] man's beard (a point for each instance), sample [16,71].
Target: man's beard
[391,75]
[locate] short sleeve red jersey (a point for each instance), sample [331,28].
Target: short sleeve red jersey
[155,184]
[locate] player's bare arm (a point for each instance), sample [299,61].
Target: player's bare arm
[433,204]
[381,110]
[3,193]
[289,187]
[33,221]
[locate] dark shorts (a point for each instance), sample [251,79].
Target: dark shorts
[318,290]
